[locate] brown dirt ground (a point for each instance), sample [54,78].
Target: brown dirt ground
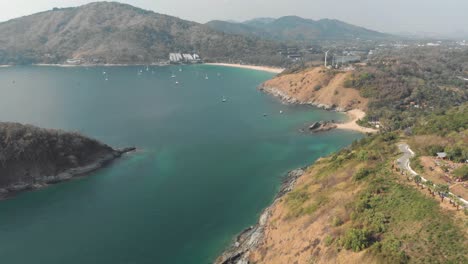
[301,86]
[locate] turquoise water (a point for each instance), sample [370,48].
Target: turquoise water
[205,168]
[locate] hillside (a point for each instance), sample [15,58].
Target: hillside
[316,86]
[109,32]
[32,157]
[406,84]
[293,28]
[354,207]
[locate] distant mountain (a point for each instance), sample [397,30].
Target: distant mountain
[293,28]
[106,32]
[259,21]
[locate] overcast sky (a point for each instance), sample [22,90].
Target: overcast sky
[439,16]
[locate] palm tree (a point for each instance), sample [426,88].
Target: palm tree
[458,203]
[430,187]
[443,190]
[417,180]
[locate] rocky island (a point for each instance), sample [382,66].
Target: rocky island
[32,157]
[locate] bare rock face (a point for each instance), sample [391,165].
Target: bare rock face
[32,157]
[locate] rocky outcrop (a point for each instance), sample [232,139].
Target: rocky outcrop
[320,126]
[32,157]
[318,87]
[250,238]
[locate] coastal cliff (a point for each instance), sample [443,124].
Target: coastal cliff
[32,157]
[352,207]
[249,239]
[316,86]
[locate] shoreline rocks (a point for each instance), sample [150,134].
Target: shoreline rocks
[321,126]
[251,237]
[286,99]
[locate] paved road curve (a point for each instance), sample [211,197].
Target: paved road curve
[404,164]
[404,161]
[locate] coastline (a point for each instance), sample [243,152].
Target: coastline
[250,238]
[66,175]
[250,67]
[355,115]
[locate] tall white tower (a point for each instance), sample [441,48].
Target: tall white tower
[326,55]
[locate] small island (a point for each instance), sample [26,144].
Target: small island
[32,157]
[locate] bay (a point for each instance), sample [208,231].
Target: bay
[204,170]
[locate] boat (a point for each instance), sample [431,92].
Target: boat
[281,111]
[180,69]
[224,99]
[206,77]
[177,82]
[173,76]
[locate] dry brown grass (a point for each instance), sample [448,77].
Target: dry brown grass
[304,85]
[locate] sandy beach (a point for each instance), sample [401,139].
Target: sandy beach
[252,67]
[354,115]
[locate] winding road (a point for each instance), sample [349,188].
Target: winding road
[404,164]
[404,161]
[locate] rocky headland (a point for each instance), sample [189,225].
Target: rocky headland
[32,157]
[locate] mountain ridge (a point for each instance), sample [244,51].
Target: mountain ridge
[115,33]
[296,28]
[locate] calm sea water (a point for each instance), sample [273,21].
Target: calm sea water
[205,171]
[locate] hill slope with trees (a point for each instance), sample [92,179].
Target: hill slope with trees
[110,32]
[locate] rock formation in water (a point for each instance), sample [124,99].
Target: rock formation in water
[32,157]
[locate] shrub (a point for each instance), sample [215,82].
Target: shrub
[328,240]
[317,87]
[362,173]
[356,239]
[462,172]
[336,221]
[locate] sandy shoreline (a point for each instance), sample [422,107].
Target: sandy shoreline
[354,115]
[251,67]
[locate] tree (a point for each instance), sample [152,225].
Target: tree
[443,190]
[417,180]
[430,187]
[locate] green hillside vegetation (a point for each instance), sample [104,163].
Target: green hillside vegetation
[410,83]
[297,29]
[110,32]
[388,219]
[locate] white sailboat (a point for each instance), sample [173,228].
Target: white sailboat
[206,77]
[173,75]
[224,99]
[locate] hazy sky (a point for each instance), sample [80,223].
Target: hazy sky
[442,16]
